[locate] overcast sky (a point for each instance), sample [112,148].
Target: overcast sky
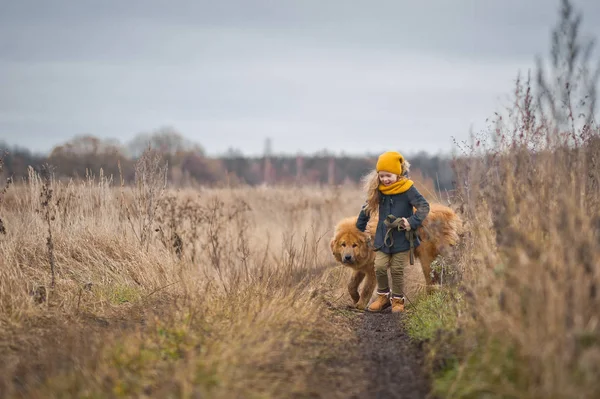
[344,75]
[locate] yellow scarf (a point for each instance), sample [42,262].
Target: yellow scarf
[399,187]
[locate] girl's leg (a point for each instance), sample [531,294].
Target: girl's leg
[398,262]
[383,288]
[382,261]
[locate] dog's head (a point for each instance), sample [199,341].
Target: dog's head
[349,245]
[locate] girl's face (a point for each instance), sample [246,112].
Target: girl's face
[387,178]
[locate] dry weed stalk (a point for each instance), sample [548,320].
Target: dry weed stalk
[244,250]
[3,193]
[150,185]
[216,218]
[48,214]
[170,214]
[191,212]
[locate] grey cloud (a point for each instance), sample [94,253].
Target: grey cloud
[116,28]
[309,74]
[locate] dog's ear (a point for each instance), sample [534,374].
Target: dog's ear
[332,243]
[335,250]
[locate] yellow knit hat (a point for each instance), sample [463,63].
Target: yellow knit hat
[390,161]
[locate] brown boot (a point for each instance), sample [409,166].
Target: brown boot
[382,302]
[397,304]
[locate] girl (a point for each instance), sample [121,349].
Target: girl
[393,196]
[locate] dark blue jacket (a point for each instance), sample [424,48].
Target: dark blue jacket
[399,205]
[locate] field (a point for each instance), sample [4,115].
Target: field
[119,291]
[111,290]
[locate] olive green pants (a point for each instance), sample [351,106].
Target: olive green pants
[396,262]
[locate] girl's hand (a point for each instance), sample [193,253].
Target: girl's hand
[406,224]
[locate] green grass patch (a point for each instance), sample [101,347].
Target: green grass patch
[432,313]
[120,294]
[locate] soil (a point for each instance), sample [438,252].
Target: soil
[394,362]
[380,361]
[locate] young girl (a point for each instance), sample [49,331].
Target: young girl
[393,196]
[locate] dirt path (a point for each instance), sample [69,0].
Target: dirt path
[393,363]
[379,361]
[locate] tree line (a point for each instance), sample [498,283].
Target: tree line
[188,165]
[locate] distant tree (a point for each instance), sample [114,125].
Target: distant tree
[202,169]
[165,140]
[244,168]
[87,154]
[16,161]
[353,168]
[86,145]
[435,167]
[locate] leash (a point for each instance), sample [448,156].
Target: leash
[411,239]
[392,222]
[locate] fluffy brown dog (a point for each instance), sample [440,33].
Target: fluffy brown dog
[351,247]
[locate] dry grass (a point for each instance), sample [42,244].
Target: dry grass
[523,320]
[531,262]
[533,270]
[167,293]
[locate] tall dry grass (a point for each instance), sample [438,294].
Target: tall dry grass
[531,190]
[108,290]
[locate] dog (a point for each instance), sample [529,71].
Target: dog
[439,232]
